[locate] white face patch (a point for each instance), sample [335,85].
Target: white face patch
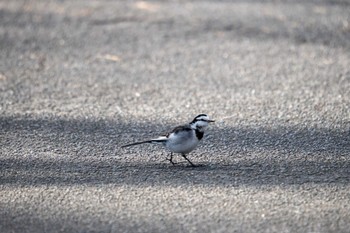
[201,123]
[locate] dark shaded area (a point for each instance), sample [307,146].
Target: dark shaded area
[88,152]
[32,223]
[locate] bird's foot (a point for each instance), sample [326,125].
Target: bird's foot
[189,161]
[171,161]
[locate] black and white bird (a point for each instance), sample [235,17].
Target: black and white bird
[182,139]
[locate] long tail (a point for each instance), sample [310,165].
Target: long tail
[159,140]
[136,143]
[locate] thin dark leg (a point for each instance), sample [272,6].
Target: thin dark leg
[183,155]
[171,159]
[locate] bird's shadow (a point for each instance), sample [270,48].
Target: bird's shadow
[75,152]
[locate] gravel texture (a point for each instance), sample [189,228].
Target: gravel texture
[78,79]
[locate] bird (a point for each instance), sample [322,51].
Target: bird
[182,139]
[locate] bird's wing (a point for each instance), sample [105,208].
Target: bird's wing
[164,138]
[181,135]
[178,129]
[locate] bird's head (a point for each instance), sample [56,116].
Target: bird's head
[200,122]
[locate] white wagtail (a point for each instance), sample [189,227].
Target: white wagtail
[182,139]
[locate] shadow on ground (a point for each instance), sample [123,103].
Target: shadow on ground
[74,152]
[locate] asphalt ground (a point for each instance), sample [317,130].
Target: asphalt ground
[78,79]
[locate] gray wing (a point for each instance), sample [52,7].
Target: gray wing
[181,128]
[181,135]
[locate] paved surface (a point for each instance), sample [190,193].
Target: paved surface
[78,79]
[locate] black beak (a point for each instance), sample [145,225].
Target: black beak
[210,121]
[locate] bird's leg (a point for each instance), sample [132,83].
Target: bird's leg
[183,155]
[171,159]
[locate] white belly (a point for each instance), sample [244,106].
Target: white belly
[183,143]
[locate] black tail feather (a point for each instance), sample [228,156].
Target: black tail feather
[136,143]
